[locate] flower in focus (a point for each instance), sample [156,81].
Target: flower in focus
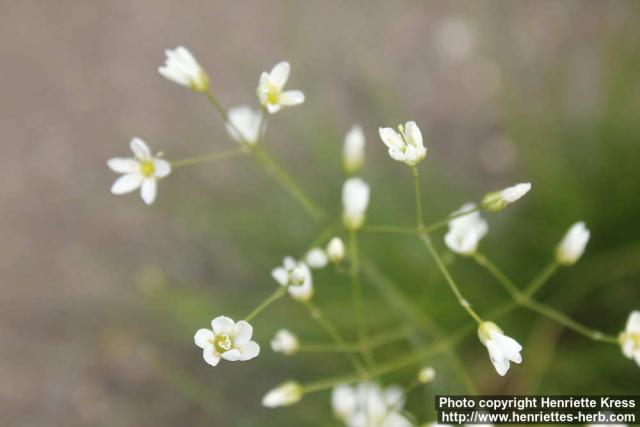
[296,276]
[630,338]
[366,404]
[498,200]
[426,375]
[227,340]
[316,258]
[335,250]
[285,342]
[353,150]
[502,349]
[572,246]
[466,231]
[244,124]
[355,199]
[182,68]
[142,171]
[270,89]
[406,144]
[284,395]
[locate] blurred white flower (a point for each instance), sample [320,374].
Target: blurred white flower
[316,258]
[502,349]
[353,150]
[244,124]
[285,342]
[465,232]
[335,250]
[573,244]
[630,338]
[355,200]
[366,404]
[296,276]
[406,145]
[182,68]
[498,200]
[284,395]
[142,171]
[270,89]
[426,375]
[227,340]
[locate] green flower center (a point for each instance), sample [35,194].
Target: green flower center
[222,343]
[273,94]
[147,168]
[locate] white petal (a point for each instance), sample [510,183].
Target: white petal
[232,355]
[391,138]
[395,419]
[302,292]
[210,356]
[126,183]
[222,325]
[316,258]
[149,190]
[279,74]
[291,97]
[273,108]
[397,155]
[289,262]
[633,323]
[249,350]
[413,134]
[280,275]
[161,168]
[510,348]
[343,401]
[394,396]
[500,362]
[242,332]
[411,154]
[174,75]
[123,165]
[203,338]
[140,148]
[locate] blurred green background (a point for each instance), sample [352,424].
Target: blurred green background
[101,294]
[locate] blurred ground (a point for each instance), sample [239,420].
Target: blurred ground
[545,91]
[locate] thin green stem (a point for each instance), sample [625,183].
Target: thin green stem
[541,279]
[388,229]
[416,184]
[279,293]
[502,278]
[207,158]
[375,341]
[356,288]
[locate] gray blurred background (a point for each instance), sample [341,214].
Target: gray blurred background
[100,294]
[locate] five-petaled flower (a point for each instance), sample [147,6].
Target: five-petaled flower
[244,124]
[142,171]
[466,231]
[367,404]
[182,68]
[405,145]
[498,200]
[270,89]
[502,349]
[630,338]
[296,276]
[573,244]
[353,150]
[355,200]
[227,340]
[285,342]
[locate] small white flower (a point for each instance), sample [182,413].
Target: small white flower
[285,342]
[498,200]
[406,145]
[572,246]
[426,375]
[353,150]
[335,250]
[227,340]
[316,258]
[270,89]
[502,349]
[355,200]
[296,276]
[630,338]
[182,68]
[465,232]
[367,404]
[244,124]
[142,171]
[284,395]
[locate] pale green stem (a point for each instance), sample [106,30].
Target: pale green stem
[416,184]
[207,158]
[356,288]
[279,293]
[388,229]
[541,279]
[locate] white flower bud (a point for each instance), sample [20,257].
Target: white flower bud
[355,199]
[316,258]
[630,338]
[426,375]
[284,395]
[182,68]
[335,250]
[498,200]
[572,246]
[353,150]
[502,349]
[466,231]
[285,342]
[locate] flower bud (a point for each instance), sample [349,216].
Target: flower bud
[498,200]
[572,246]
[316,258]
[285,342]
[335,250]
[353,150]
[426,375]
[355,199]
[284,395]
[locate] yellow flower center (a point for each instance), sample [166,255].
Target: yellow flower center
[222,343]
[147,168]
[273,94]
[626,336]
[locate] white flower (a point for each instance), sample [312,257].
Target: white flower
[227,340]
[355,199]
[316,258]
[284,395]
[426,375]
[182,68]
[498,200]
[465,232]
[368,405]
[406,145]
[353,150]
[285,342]
[630,338]
[270,89]
[142,171]
[572,246]
[335,250]
[296,276]
[244,124]
[502,348]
